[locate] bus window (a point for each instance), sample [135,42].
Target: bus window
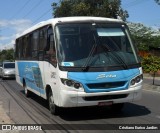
[25,43]
[35,41]
[42,43]
[52,50]
[29,47]
[42,39]
[50,47]
[21,48]
[17,49]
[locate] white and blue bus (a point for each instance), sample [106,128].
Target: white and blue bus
[79,61]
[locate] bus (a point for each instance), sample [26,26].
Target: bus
[79,62]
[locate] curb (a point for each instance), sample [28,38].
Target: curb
[149,76]
[151,87]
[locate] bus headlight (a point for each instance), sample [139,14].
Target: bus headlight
[71,83]
[136,80]
[77,85]
[133,82]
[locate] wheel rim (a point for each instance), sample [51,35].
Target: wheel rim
[25,89]
[51,103]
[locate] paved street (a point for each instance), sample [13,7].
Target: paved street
[16,108]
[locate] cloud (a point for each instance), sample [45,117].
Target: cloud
[8,45]
[3,23]
[9,30]
[20,25]
[4,38]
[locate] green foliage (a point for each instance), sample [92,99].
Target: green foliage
[101,8]
[144,37]
[151,63]
[7,55]
[158,2]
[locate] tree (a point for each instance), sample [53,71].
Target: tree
[145,37]
[151,64]
[103,8]
[158,2]
[7,55]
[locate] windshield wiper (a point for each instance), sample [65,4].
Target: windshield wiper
[86,66]
[117,57]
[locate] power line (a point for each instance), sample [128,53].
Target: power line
[37,4]
[134,3]
[35,21]
[10,5]
[42,15]
[20,10]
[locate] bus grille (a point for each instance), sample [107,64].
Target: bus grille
[107,85]
[105,97]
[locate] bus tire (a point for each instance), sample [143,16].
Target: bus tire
[117,107]
[26,91]
[54,109]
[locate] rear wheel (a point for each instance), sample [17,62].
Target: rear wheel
[54,109]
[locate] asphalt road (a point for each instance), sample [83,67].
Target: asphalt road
[34,110]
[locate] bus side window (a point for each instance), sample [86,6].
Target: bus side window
[42,42]
[17,49]
[29,51]
[35,41]
[21,48]
[52,50]
[42,39]
[49,33]
[50,47]
[25,45]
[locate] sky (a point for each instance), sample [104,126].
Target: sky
[18,15]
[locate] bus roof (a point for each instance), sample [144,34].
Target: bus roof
[54,21]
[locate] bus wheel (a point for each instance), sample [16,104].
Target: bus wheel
[117,107]
[53,108]
[26,91]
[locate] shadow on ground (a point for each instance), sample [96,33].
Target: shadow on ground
[91,113]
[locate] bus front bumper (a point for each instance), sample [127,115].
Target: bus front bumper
[80,99]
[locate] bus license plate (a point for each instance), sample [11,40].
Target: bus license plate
[105,103]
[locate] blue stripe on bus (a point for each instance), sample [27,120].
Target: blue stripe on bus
[30,71]
[96,78]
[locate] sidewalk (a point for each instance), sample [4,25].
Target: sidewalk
[148,82]
[4,118]
[4,114]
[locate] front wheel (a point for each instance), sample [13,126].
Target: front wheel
[54,109]
[26,91]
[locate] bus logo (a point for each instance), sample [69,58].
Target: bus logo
[106,76]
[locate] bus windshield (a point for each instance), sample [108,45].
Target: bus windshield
[94,45]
